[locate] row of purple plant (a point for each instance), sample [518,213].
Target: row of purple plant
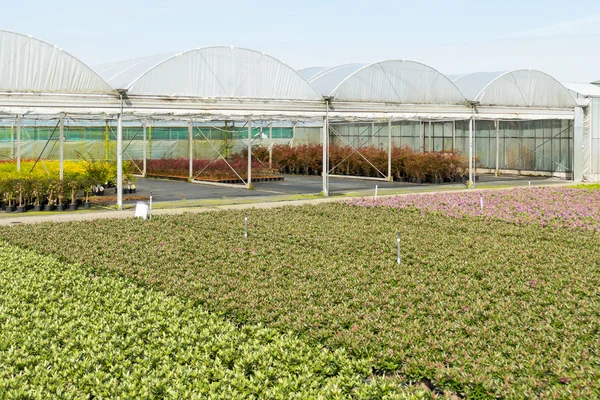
[565,207]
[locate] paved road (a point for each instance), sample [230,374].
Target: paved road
[163,190]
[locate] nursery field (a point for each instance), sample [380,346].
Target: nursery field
[67,333]
[482,306]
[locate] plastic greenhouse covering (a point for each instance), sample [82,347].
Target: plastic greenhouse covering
[310,72]
[120,74]
[393,81]
[31,65]
[521,88]
[220,72]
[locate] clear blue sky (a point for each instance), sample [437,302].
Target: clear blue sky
[562,38]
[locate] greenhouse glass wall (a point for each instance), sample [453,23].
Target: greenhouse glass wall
[544,146]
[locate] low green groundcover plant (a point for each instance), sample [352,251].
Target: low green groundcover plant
[67,333]
[480,308]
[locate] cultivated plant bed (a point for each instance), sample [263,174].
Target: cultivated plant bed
[38,186]
[407,165]
[478,307]
[78,334]
[209,170]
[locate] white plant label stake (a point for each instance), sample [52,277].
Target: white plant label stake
[481,201]
[375,191]
[246,225]
[398,259]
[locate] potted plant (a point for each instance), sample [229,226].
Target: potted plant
[60,194]
[50,196]
[9,194]
[36,190]
[88,188]
[74,185]
[20,186]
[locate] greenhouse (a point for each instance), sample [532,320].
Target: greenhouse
[218,102]
[543,144]
[588,95]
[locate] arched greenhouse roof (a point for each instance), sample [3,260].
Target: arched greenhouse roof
[393,81]
[212,72]
[120,74]
[28,64]
[520,88]
[309,72]
[580,89]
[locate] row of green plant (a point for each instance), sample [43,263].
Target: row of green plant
[70,333]
[39,184]
[480,309]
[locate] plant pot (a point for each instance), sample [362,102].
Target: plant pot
[60,207]
[73,207]
[38,207]
[9,209]
[87,205]
[49,207]
[20,209]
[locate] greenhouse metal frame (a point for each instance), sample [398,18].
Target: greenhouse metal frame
[207,86]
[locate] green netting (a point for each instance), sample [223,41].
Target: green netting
[543,145]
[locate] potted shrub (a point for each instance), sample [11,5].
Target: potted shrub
[9,194]
[37,188]
[20,186]
[74,185]
[50,196]
[88,188]
[60,195]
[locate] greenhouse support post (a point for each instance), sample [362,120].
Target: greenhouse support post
[61,148]
[150,140]
[120,162]
[191,148]
[471,152]
[371,138]
[293,134]
[18,143]
[270,144]
[325,157]
[497,146]
[106,141]
[144,150]
[249,179]
[422,135]
[453,135]
[389,160]
[430,147]
[578,145]
[12,140]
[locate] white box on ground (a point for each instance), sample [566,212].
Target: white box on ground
[141,210]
